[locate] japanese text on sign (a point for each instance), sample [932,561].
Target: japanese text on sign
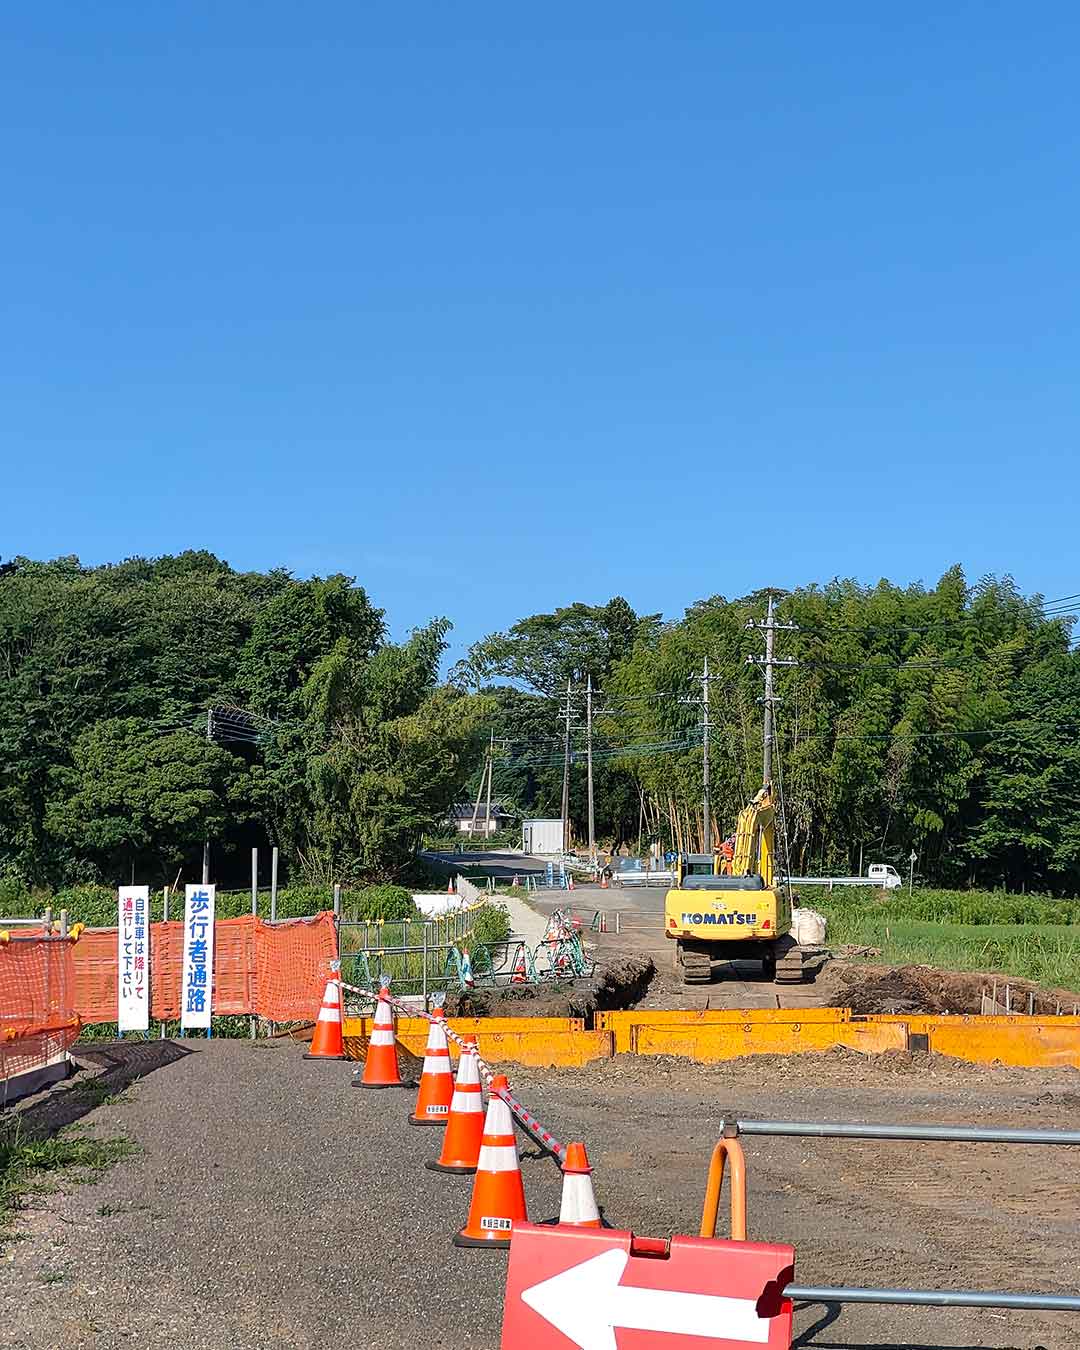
[133,958]
[198,982]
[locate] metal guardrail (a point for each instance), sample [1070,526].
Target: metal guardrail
[928,1298]
[933,1298]
[969,1134]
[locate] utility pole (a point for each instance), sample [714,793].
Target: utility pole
[480,791]
[206,841]
[588,742]
[491,758]
[566,774]
[705,727]
[770,639]
[770,661]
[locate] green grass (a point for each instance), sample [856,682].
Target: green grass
[26,1162]
[926,904]
[1047,953]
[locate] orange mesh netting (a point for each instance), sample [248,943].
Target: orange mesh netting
[38,1020]
[274,971]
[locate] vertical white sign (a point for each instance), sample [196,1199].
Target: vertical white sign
[133,958]
[195,992]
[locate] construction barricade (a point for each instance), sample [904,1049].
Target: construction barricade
[269,970]
[39,1020]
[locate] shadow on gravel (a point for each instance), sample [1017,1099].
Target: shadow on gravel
[104,1073]
[808,1340]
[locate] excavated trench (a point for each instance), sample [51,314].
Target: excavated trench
[622,982]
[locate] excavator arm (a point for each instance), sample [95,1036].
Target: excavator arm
[755,839]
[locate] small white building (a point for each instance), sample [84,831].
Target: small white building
[542,836]
[467,818]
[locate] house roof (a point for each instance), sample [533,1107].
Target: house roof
[464,811]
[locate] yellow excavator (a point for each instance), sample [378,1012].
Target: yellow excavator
[732,909]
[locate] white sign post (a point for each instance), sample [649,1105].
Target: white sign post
[133,958]
[197,987]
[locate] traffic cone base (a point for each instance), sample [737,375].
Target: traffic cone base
[498,1196]
[452,1171]
[327,1041]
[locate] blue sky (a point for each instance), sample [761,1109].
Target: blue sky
[499,309]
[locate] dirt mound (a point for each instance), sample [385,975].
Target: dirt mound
[925,989]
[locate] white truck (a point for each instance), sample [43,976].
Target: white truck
[882,875]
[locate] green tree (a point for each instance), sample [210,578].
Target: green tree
[132,796]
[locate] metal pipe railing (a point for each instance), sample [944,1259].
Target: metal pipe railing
[934,1298]
[969,1134]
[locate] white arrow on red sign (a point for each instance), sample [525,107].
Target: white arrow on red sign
[587,1302]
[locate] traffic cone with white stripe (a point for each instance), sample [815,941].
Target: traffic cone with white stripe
[437,1080]
[498,1196]
[381,1065]
[327,1041]
[465,1123]
[578,1207]
[519,975]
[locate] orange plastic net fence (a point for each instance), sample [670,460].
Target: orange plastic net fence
[274,971]
[38,1018]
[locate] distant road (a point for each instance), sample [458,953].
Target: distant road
[502,863]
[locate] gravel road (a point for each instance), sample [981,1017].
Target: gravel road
[272,1205]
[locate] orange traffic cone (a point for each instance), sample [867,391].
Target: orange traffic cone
[498,1196]
[437,1080]
[465,1123]
[519,976]
[381,1066]
[578,1207]
[603,880]
[450,886]
[570,881]
[328,1041]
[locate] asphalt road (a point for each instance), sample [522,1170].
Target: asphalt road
[272,1205]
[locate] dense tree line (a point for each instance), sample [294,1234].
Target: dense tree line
[345,749]
[941,720]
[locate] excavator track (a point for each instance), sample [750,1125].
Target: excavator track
[789,964]
[697,967]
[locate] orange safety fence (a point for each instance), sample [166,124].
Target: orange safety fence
[277,971]
[38,1017]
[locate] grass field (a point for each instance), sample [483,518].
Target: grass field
[959,930]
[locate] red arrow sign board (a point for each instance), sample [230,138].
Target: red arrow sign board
[599,1289]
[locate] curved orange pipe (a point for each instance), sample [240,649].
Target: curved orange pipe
[726,1149]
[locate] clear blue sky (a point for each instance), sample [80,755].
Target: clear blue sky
[499,308]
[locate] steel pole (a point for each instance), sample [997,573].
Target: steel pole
[967,1134]
[934,1298]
